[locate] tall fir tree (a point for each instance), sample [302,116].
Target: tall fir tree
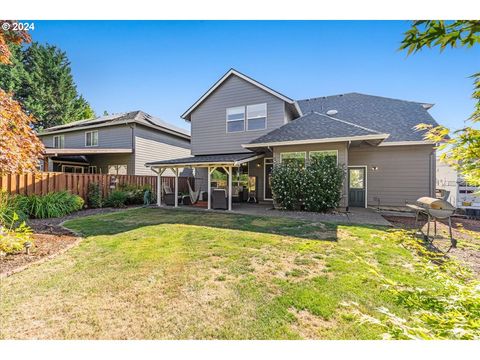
[40,78]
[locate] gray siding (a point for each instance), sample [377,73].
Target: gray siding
[343,157]
[151,145]
[404,173]
[110,137]
[208,120]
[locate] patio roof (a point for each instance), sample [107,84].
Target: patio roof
[85,151]
[207,160]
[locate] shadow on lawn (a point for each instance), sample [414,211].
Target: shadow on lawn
[115,223]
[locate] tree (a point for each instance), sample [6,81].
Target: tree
[41,79]
[20,148]
[462,147]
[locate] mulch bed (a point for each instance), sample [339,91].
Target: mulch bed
[465,231]
[50,239]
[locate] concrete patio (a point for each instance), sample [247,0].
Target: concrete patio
[354,216]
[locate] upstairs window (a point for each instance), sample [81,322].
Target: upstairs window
[236,119]
[91,138]
[58,141]
[257,117]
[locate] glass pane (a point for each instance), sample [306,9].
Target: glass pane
[122,169]
[95,138]
[259,110]
[298,157]
[356,178]
[234,126]
[237,113]
[256,124]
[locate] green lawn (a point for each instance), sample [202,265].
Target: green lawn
[176,274]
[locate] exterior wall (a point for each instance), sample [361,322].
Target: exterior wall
[151,145]
[259,172]
[209,135]
[108,137]
[343,157]
[404,173]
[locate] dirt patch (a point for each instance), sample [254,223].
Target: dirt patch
[465,231]
[308,325]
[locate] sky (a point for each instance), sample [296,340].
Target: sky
[163,67]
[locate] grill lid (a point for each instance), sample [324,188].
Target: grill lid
[433,203]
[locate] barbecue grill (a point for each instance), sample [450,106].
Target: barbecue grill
[434,209]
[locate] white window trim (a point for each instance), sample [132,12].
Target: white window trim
[258,117]
[319,151]
[62,142]
[91,132]
[90,167]
[265,178]
[366,183]
[227,121]
[293,152]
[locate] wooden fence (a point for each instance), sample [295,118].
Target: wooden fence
[45,182]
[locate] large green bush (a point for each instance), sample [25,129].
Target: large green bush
[314,187]
[134,193]
[11,207]
[55,204]
[117,199]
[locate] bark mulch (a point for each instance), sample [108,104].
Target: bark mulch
[465,231]
[50,239]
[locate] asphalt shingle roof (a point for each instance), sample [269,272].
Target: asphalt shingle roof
[385,115]
[200,159]
[115,119]
[314,125]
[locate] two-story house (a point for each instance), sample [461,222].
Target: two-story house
[118,144]
[242,127]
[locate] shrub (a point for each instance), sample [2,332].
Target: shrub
[117,199]
[13,238]
[323,184]
[94,196]
[135,194]
[317,186]
[9,206]
[55,204]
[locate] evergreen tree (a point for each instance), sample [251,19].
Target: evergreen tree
[40,78]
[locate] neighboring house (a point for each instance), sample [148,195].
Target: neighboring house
[243,127]
[114,144]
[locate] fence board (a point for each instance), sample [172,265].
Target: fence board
[45,182]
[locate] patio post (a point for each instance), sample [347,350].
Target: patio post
[159,186]
[209,185]
[175,171]
[230,173]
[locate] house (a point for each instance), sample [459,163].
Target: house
[243,127]
[115,144]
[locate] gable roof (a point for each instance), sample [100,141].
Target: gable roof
[386,115]
[186,114]
[316,128]
[138,117]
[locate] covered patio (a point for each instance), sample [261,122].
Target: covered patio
[210,163]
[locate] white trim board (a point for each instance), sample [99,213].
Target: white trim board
[186,114]
[318,141]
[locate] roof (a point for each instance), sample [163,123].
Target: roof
[86,151]
[186,114]
[217,159]
[393,116]
[316,127]
[138,117]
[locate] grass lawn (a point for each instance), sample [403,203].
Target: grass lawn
[176,274]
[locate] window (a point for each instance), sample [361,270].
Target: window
[236,119]
[72,169]
[91,138]
[257,117]
[117,169]
[58,141]
[324,154]
[293,157]
[356,178]
[92,169]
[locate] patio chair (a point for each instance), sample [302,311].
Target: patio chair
[219,199]
[169,196]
